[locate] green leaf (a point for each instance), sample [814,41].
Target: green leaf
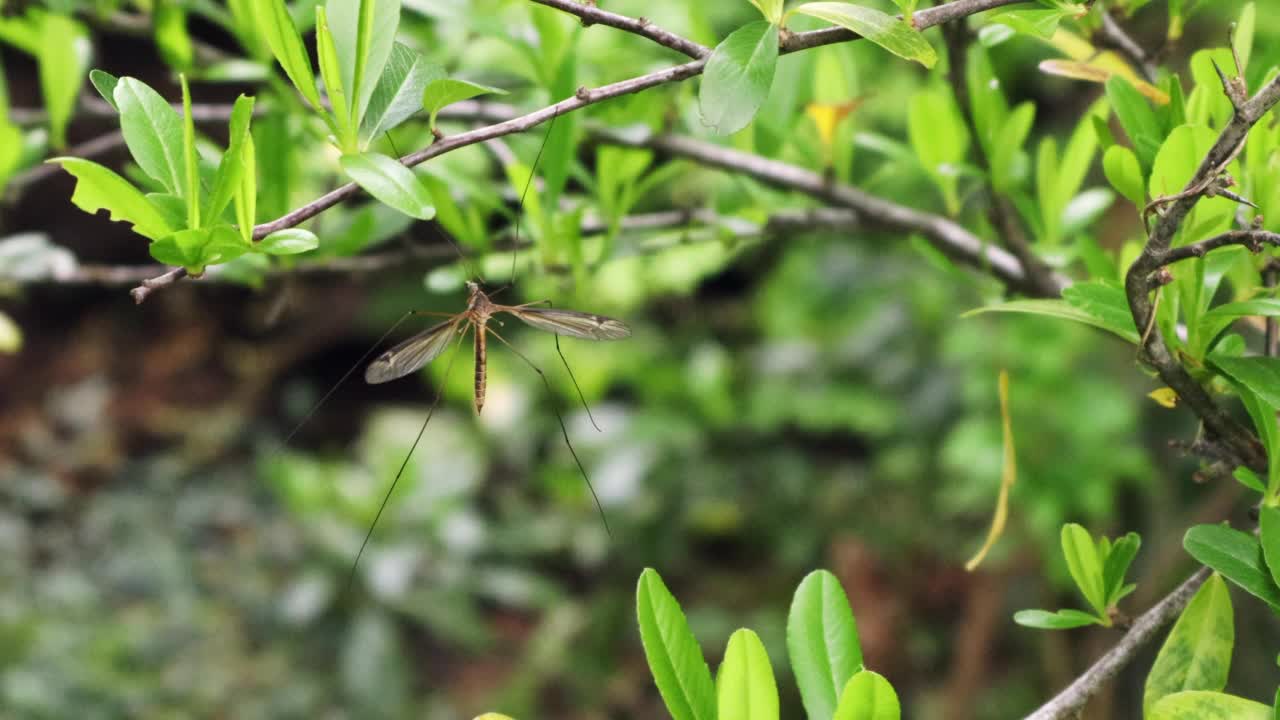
[331,73]
[10,150]
[745,688]
[822,640]
[738,77]
[289,241]
[1197,653]
[1061,620]
[1173,168]
[231,166]
[1116,565]
[682,676]
[1242,39]
[1137,118]
[1236,555]
[246,195]
[1260,374]
[1202,705]
[191,166]
[390,182]
[1059,309]
[443,92]
[1220,318]
[98,188]
[64,59]
[23,32]
[1269,526]
[170,21]
[153,132]
[1008,146]
[105,83]
[880,28]
[398,94]
[940,140]
[867,696]
[286,45]
[1125,174]
[364,32]
[1085,566]
[1105,302]
[1249,479]
[770,9]
[224,244]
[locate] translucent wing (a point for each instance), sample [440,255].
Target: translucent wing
[572,323]
[411,354]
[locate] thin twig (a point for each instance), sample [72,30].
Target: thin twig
[1117,38]
[584,97]
[1144,629]
[592,15]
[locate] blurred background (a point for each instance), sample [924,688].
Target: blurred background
[789,400]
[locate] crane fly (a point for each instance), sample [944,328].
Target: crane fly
[414,353]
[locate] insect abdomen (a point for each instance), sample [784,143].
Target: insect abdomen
[481,354]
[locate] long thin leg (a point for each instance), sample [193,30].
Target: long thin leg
[563,430]
[351,575]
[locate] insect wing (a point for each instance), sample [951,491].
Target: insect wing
[572,323]
[410,355]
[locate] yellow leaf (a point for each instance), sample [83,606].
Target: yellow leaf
[827,117]
[1081,52]
[1165,396]
[1008,477]
[1093,72]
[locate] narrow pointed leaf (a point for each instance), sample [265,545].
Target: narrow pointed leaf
[153,132]
[105,83]
[286,44]
[64,60]
[680,672]
[364,32]
[1269,525]
[1062,620]
[231,167]
[1237,555]
[1085,566]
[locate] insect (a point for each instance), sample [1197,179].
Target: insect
[414,353]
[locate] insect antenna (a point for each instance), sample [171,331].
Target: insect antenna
[533,170]
[564,430]
[467,267]
[351,574]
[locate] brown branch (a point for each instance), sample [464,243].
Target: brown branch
[1118,39]
[1254,240]
[1142,278]
[584,97]
[1070,701]
[592,15]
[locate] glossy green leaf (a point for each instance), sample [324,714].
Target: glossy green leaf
[153,132]
[745,688]
[822,640]
[1105,302]
[1137,118]
[738,77]
[940,140]
[1063,310]
[1040,23]
[1269,532]
[1249,479]
[1260,374]
[105,83]
[223,245]
[390,182]
[231,167]
[286,45]
[190,161]
[1125,175]
[64,61]
[1116,565]
[290,241]
[1197,653]
[331,73]
[1220,318]
[364,32]
[868,696]
[1237,555]
[1084,564]
[1009,146]
[1061,620]
[1202,705]
[99,188]
[398,94]
[246,194]
[170,21]
[443,92]
[880,28]
[680,672]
